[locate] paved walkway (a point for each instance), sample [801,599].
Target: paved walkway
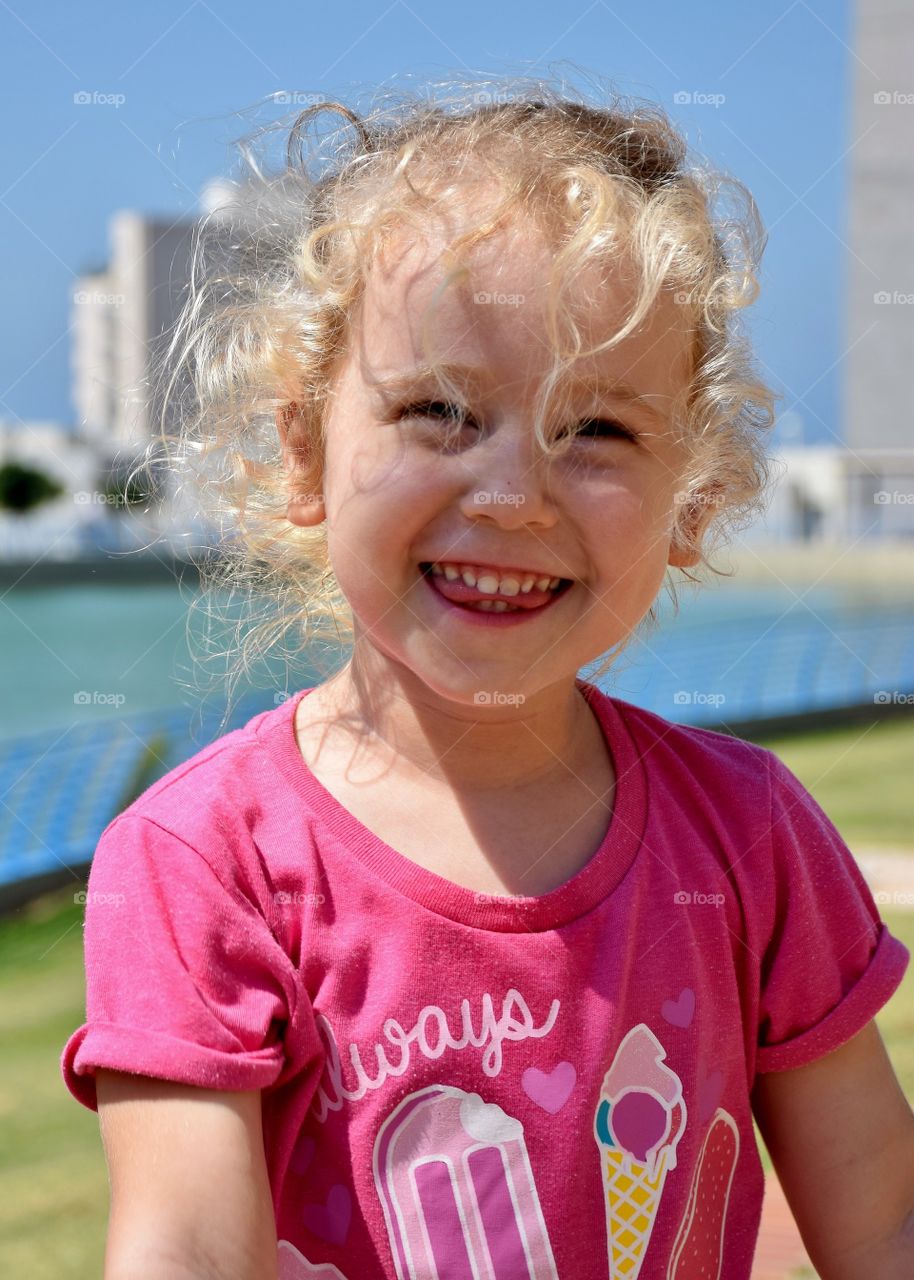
[890,875]
[780,1254]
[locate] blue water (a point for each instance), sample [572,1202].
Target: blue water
[80,653]
[91,652]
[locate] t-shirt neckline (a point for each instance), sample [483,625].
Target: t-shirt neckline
[596,880]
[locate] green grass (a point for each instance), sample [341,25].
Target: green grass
[896,1020]
[861,776]
[53,1180]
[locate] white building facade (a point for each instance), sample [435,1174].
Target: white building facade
[122,317]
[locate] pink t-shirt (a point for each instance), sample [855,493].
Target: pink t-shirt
[477,1087]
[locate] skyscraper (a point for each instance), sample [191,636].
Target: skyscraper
[880,313]
[121,319]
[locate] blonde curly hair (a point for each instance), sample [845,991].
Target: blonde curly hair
[279,271]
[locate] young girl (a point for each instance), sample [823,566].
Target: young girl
[455,965]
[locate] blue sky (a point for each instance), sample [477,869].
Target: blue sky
[192,75]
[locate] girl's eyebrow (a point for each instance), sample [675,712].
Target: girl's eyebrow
[470,376]
[464,375]
[603,387]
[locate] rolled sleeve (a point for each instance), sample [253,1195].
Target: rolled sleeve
[831,963]
[185,980]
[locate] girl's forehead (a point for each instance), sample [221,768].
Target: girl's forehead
[490,304]
[426,256]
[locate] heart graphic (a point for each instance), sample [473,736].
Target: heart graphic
[330,1221]
[709,1092]
[680,1012]
[549,1089]
[303,1154]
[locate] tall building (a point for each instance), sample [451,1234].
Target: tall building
[92,303]
[879,391]
[122,316]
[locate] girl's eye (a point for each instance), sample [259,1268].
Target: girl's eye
[454,415]
[434,409]
[602,428]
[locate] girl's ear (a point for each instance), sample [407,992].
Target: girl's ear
[682,557]
[305,506]
[698,515]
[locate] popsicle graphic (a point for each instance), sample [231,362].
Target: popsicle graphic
[457,1190]
[698,1253]
[295,1266]
[639,1121]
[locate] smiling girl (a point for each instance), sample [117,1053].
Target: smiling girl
[455,965]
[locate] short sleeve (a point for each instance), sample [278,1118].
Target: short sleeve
[185,980]
[831,963]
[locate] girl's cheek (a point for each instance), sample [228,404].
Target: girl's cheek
[384,457]
[608,503]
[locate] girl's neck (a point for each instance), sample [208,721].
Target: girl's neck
[387,717]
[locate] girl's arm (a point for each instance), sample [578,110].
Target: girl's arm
[841,1137]
[190,1196]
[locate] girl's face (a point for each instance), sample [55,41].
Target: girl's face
[395,497]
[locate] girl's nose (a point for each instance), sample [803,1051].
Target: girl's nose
[508,481]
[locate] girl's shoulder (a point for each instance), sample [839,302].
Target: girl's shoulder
[784,846]
[223,786]
[745,789]
[670,750]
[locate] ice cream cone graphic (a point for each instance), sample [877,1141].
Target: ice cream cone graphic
[640,1118]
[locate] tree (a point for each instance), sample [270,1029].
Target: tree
[22,488]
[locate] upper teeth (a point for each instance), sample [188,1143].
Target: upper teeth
[490,582]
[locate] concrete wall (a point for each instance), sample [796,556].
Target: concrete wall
[879,332]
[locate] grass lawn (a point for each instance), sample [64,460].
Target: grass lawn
[53,1181]
[896,1021]
[861,776]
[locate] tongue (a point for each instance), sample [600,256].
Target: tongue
[458,592]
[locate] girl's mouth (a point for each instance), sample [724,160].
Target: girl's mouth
[487,608]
